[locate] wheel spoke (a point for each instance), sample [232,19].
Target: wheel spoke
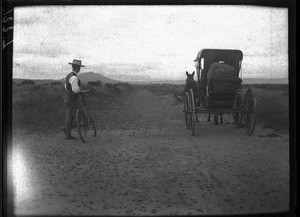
[249,107]
[192,115]
[237,117]
[187,106]
[83,122]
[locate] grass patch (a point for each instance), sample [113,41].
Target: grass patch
[272,107]
[37,107]
[56,83]
[27,82]
[271,135]
[272,102]
[41,107]
[95,83]
[163,89]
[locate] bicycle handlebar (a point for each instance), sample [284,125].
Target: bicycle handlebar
[84,91]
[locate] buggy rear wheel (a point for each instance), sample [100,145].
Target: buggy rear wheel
[237,116]
[193,115]
[186,107]
[249,116]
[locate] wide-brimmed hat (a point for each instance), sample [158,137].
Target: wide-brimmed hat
[77,63]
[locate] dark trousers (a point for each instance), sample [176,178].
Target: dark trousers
[71,105]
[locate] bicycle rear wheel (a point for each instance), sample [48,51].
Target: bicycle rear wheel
[81,124]
[85,125]
[91,124]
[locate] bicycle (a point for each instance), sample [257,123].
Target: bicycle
[84,123]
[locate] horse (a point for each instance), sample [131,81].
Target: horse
[190,83]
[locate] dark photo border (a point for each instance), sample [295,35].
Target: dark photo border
[7,10]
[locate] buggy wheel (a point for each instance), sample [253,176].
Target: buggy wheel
[186,107]
[193,114]
[249,117]
[238,117]
[193,123]
[94,129]
[81,124]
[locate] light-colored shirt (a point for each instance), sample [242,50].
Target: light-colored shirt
[74,83]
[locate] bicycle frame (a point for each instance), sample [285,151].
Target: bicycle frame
[81,96]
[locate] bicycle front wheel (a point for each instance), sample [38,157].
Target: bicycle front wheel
[85,125]
[81,124]
[90,123]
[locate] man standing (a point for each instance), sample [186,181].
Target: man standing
[72,87]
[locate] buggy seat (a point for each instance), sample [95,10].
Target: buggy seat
[222,78]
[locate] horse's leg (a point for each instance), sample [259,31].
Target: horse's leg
[221,119]
[216,119]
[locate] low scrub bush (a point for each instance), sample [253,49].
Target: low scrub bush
[56,83]
[27,82]
[108,85]
[38,107]
[163,89]
[95,83]
[272,107]
[41,107]
[272,101]
[112,89]
[281,87]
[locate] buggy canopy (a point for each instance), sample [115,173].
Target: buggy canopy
[230,57]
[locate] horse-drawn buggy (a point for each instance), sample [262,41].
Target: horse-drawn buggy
[217,90]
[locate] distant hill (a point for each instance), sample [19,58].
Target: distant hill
[84,78]
[245,81]
[152,81]
[265,80]
[36,81]
[92,76]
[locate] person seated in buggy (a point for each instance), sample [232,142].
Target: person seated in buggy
[221,77]
[218,72]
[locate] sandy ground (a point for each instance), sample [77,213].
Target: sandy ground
[145,162]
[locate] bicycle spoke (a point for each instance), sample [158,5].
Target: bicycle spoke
[85,125]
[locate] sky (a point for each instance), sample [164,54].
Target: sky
[150,42]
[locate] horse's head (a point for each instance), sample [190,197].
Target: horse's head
[190,83]
[190,77]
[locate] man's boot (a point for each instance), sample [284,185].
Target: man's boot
[69,135]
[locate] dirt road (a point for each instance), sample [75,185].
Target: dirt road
[145,162]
